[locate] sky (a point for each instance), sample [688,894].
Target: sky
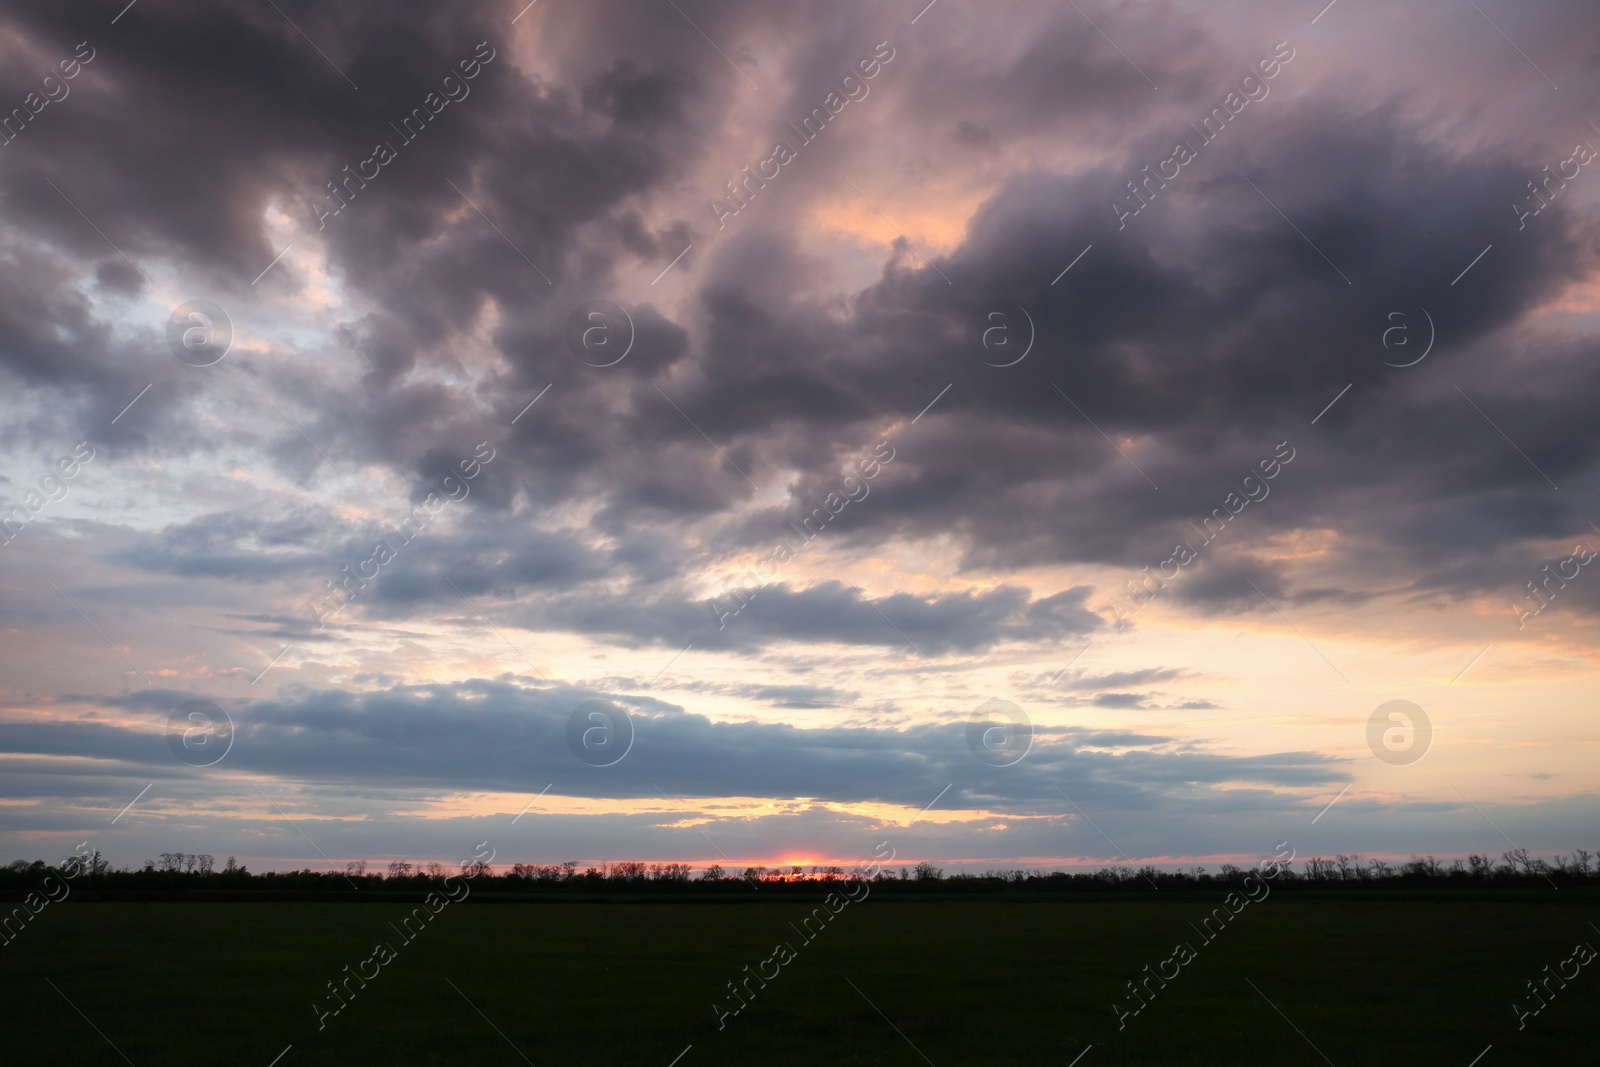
[1041,436]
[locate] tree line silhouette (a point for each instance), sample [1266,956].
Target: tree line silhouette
[191,874]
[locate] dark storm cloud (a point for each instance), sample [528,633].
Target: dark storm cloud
[1207,330]
[1217,340]
[198,117]
[46,327]
[1210,331]
[195,114]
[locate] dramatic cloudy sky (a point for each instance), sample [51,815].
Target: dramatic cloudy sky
[937,329]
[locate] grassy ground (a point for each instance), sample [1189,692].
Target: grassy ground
[1391,978]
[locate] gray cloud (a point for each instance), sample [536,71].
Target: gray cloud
[486,735]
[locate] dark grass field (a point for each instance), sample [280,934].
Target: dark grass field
[1390,978]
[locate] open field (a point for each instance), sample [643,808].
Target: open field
[1400,978]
